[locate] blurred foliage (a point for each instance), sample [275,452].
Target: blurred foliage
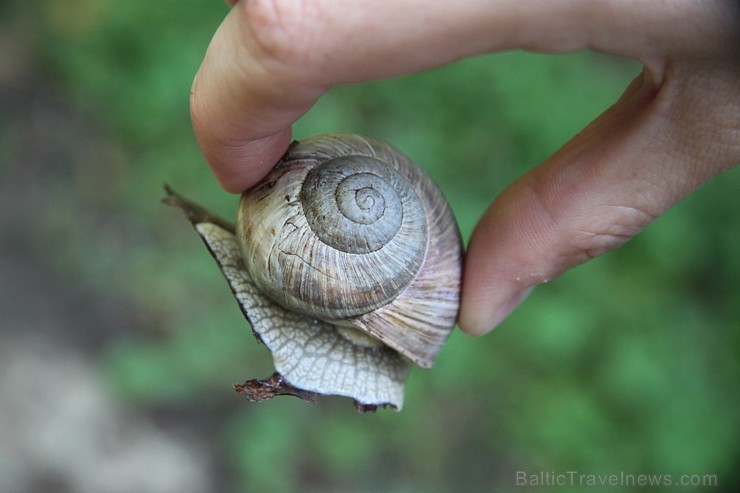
[629,363]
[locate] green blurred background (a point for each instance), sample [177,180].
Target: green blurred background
[119,339]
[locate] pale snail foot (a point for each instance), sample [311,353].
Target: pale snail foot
[362,352]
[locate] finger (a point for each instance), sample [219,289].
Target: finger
[242,103]
[666,136]
[270,60]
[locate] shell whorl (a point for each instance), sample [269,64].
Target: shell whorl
[357,204]
[347,231]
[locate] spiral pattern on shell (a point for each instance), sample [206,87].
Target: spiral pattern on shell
[354,237]
[358,204]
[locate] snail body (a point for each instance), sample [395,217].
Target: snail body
[357,257]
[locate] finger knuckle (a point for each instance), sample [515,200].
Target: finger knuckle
[575,230]
[280,29]
[607,228]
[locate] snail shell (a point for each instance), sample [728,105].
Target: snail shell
[347,261]
[350,231]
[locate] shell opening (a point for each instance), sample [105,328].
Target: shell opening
[357,337]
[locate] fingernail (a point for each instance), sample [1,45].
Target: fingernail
[503,311]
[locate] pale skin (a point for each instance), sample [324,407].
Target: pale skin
[676,126]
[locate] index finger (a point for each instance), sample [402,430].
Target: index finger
[271,60]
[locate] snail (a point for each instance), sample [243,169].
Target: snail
[347,260]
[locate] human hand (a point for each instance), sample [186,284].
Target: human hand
[676,126]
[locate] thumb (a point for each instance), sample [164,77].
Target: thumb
[669,133]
